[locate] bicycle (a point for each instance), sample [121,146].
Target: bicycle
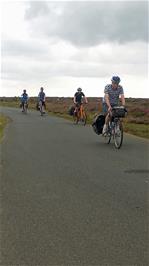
[24,107]
[41,108]
[80,115]
[115,127]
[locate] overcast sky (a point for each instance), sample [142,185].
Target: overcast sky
[65,45]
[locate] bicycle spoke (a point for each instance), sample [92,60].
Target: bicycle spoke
[118,135]
[107,136]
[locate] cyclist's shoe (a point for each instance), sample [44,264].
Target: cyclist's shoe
[105,130]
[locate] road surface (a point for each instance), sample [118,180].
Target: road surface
[68,199]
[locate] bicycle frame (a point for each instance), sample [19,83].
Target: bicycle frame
[80,111]
[80,114]
[115,131]
[24,107]
[41,108]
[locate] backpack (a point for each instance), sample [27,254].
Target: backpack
[98,123]
[71,110]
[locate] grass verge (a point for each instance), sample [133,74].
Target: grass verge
[3,122]
[139,130]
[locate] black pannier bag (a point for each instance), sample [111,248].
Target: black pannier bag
[98,123]
[119,112]
[71,110]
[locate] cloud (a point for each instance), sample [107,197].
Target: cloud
[69,44]
[35,60]
[37,9]
[90,23]
[86,63]
[30,48]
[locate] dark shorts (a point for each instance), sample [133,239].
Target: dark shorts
[44,104]
[24,102]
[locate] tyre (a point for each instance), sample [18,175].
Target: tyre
[41,108]
[84,120]
[107,136]
[25,108]
[118,134]
[75,118]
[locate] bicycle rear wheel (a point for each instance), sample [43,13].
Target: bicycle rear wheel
[118,134]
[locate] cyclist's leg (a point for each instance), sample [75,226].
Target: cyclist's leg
[40,106]
[43,106]
[78,111]
[84,116]
[76,114]
[107,120]
[81,111]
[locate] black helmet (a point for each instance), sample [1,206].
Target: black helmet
[116,79]
[79,89]
[24,90]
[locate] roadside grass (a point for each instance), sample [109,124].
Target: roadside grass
[9,104]
[135,123]
[141,130]
[3,122]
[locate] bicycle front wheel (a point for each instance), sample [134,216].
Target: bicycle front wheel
[84,119]
[118,134]
[25,108]
[75,118]
[41,108]
[107,136]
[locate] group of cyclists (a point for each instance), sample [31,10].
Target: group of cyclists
[41,100]
[112,93]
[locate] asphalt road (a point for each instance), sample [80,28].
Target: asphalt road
[68,199]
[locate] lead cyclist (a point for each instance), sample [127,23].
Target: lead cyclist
[42,100]
[112,93]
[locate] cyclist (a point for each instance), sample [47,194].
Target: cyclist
[112,93]
[24,99]
[42,97]
[78,99]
